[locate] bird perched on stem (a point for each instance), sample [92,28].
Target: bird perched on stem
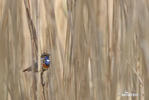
[45,63]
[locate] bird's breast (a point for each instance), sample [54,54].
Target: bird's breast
[45,66]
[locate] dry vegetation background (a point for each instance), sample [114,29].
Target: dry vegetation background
[99,49]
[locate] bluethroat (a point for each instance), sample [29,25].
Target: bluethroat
[45,63]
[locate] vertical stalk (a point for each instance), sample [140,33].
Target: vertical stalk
[39,53]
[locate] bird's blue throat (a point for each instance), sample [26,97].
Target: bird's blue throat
[47,60]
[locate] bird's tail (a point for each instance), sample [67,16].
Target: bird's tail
[27,69]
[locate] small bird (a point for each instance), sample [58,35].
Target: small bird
[45,63]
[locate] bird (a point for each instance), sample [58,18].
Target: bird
[45,63]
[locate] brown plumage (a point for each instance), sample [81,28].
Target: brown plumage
[32,68]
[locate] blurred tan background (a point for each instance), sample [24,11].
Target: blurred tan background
[99,49]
